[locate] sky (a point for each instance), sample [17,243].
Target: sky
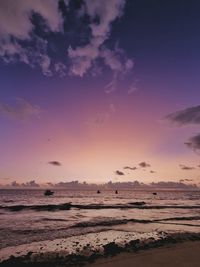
[97,90]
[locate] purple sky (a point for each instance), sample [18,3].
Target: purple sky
[91,86]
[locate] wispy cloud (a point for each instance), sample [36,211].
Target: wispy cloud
[132,88]
[118,63]
[22,110]
[101,118]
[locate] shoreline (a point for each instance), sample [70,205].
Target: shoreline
[108,252]
[186,254]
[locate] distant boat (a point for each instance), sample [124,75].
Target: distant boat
[154,193]
[116,192]
[98,192]
[48,193]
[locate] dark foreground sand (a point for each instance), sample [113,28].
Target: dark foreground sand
[185,254]
[175,250]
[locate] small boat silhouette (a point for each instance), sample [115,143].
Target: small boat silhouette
[116,192]
[48,193]
[98,191]
[154,193]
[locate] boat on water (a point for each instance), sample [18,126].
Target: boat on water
[48,193]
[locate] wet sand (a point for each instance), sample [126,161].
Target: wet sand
[185,254]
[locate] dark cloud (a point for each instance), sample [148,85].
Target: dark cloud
[144,164]
[55,163]
[187,168]
[21,110]
[185,116]
[188,116]
[119,172]
[130,168]
[194,142]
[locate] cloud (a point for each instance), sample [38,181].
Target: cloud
[184,167]
[194,142]
[32,184]
[60,68]
[152,171]
[181,184]
[171,185]
[118,63]
[185,180]
[15,17]
[106,11]
[34,53]
[55,163]
[18,42]
[130,168]
[143,164]
[21,42]
[22,110]
[27,184]
[84,58]
[186,116]
[119,172]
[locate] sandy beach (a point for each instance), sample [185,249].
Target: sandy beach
[185,254]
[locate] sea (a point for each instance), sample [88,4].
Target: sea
[29,219]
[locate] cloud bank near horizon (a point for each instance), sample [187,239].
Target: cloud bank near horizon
[182,183]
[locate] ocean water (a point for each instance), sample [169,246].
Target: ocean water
[28,216]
